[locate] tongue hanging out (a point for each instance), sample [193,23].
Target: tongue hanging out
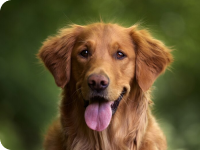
[98,115]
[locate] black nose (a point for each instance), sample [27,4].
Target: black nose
[98,82]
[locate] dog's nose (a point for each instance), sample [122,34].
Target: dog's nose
[98,82]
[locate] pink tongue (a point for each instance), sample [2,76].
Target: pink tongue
[98,115]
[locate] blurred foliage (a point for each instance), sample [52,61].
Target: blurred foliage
[29,97]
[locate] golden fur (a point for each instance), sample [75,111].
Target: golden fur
[132,126]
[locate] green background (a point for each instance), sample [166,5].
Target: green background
[29,97]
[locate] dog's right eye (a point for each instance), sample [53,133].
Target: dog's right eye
[84,53]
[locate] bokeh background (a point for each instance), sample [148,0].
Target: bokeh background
[29,97]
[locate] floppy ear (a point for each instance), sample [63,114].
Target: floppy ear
[152,57]
[56,54]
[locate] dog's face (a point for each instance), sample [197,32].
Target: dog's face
[102,61]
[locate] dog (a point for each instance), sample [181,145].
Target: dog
[105,72]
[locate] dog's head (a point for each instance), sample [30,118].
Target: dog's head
[102,60]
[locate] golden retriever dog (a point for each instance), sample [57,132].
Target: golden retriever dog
[105,71]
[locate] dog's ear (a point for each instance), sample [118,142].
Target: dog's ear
[152,57]
[56,54]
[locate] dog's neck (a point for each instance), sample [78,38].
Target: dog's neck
[132,126]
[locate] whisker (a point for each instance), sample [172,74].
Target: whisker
[74,97]
[76,92]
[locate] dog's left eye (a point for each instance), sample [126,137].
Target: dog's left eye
[120,55]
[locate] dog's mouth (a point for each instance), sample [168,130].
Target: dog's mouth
[99,111]
[115,105]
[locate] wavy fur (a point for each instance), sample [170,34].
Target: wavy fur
[132,126]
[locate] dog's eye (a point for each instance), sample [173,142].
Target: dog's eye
[84,53]
[120,55]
